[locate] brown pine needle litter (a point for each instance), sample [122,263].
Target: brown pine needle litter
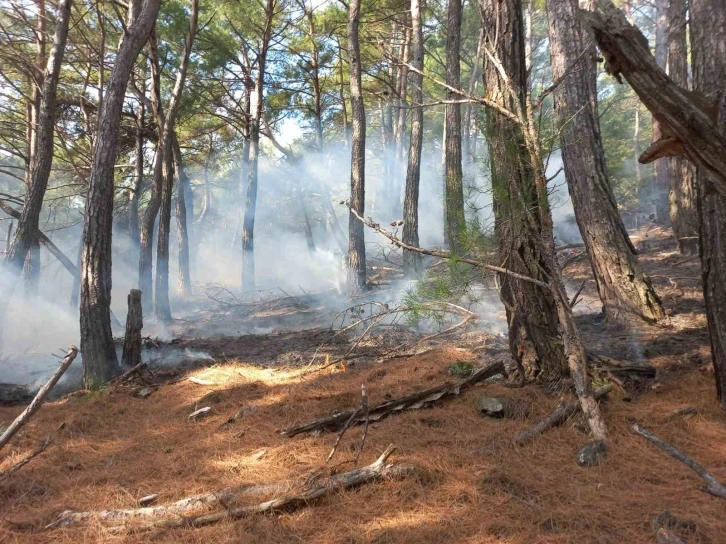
[115,449]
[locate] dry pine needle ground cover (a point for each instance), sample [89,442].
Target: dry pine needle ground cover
[115,448]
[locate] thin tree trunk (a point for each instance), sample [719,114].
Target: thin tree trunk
[471,108]
[161,290]
[25,239]
[248,227]
[708,43]
[625,289]
[182,219]
[412,260]
[341,92]
[660,167]
[356,234]
[402,93]
[146,253]
[99,352]
[134,233]
[454,182]
[683,196]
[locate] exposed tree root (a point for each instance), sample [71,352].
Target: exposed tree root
[414,401]
[562,413]
[118,519]
[712,487]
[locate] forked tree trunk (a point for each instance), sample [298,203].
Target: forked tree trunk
[161,290]
[683,196]
[531,312]
[248,226]
[625,289]
[25,242]
[412,260]
[708,42]
[660,167]
[99,352]
[356,234]
[454,178]
[183,192]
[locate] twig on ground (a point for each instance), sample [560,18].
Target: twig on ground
[35,404]
[713,486]
[577,294]
[17,466]
[364,404]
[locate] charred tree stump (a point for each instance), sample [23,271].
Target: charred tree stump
[134,323]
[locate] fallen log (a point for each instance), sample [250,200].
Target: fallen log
[119,519]
[712,487]
[563,412]
[414,401]
[33,407]
[621,368]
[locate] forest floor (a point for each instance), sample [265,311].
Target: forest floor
[110,447]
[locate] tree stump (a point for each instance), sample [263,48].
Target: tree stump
[134,323]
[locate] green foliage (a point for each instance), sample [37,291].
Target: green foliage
[460,369]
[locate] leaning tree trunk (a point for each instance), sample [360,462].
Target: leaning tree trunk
[412,260]
[690,129]
[99,352]
[454,178]
[683,196]
[42,157]
[531,312]
[248,225]
[356,234]
[183,192]
[625,289]
[708,42]
[161,288]
[660,169]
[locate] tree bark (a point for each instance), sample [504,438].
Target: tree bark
[660,167]
[184,191]
[708,43]
[99,353]
[146,253]
[402,111]
[412,260]
[248,226]
[454,178]
[42,158]
[356,233]
[683,196]
[131,355]
[161,291]
[691,130]
[134,233]
[624,288]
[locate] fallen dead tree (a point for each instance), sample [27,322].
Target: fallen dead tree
[414,401]
[33,407]
[712,487]
[20,464]
[121,520]
[563,412]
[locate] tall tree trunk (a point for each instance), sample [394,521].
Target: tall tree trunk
[134,233]
[402,111]
[248,226]
[42,155]
[471,108]
[146,253]
[161,290]
[454,183]
[531,312]
[683,196]
[356,234]
[412,260]
[708,43]
[183,191]
[624,288]
[99,352]
[660,168]
[341,92]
